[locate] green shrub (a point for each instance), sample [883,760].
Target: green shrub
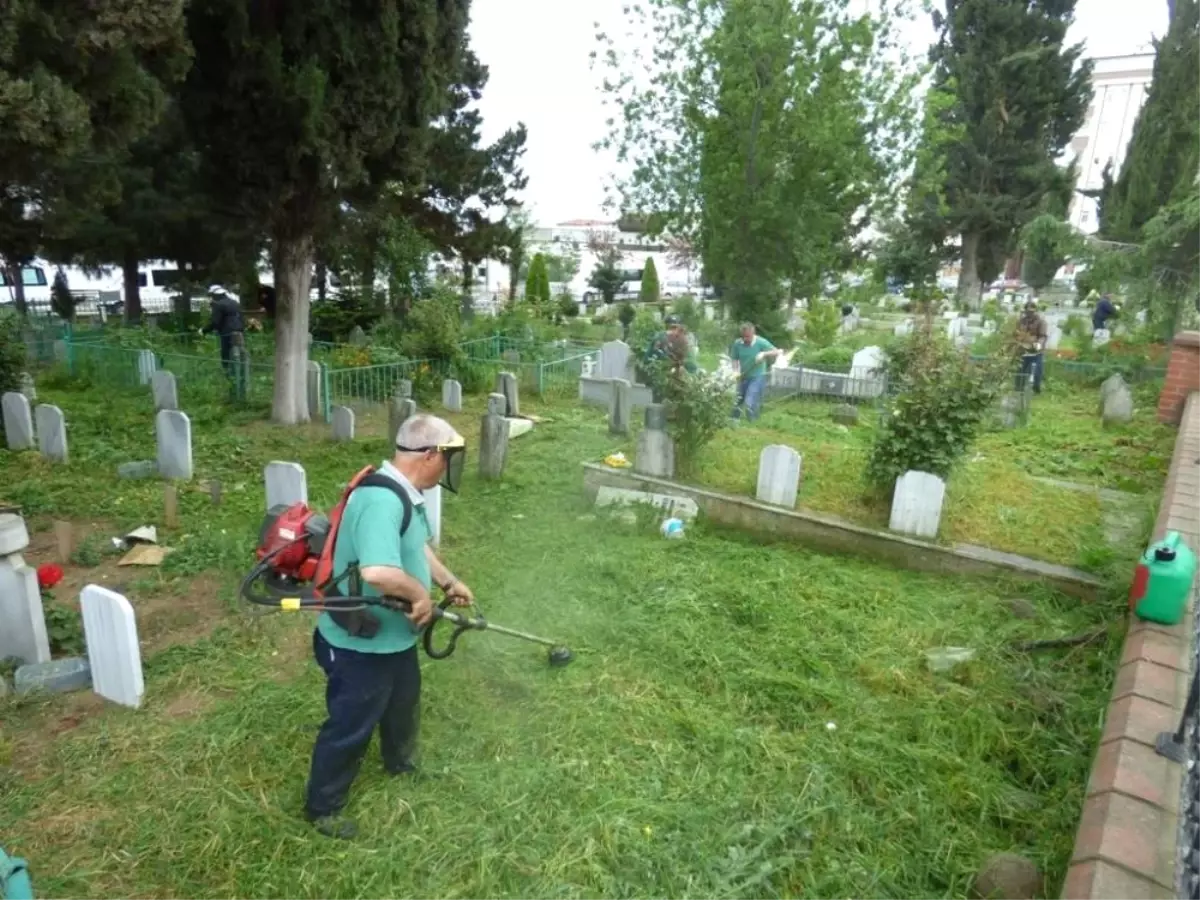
[625,315]
[433,327]
[689,312]
[940,401]
[567,307]
[537,285]
[829,359]
[821,323]
[12,351]
[698,407]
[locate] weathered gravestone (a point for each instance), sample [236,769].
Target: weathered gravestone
[173,433]
[1110,384]
[903,328]
[1054,336]
[620,406]
[778,475]
[497,404]
[493,440]
[506,384]
[400,410]
[1100,337]
[655,453]
[166,395]
[147,365]
[286,484]
[1117,405]
[112,645]
[403,389]
[51,432]
[22,620]
[316,405]
[451,395]
[358,337]
[27,387]
[512,357]
[18,421]
[868,362]
[343,423]
[614,360]
[917,504]
[844,414]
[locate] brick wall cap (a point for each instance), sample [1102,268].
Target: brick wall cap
[1187,339]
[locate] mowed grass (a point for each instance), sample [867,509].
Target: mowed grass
[993,499]
[741,720]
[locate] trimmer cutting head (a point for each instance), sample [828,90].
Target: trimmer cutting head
[560,655]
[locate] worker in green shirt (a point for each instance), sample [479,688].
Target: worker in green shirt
[373,676]
[750,354]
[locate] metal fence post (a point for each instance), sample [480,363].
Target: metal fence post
[326,400]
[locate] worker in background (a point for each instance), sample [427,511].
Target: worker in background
[672,346]
[226,323]
[369,657]
[1105,310]
[750,354]
[1031,338]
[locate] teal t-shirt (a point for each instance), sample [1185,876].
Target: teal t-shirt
[744,354]
[370,535]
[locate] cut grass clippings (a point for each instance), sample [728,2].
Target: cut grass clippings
[742,719]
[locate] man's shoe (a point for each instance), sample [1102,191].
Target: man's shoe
[402,769]
[335,826]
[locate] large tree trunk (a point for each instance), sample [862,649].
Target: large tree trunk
[293,277]
[17,287]
[468,301]
[133,295]
[970,291]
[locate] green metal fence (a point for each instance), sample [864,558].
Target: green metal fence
[197,378]
[358,385]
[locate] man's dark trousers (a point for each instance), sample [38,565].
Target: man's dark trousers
[228,342]
[362,690]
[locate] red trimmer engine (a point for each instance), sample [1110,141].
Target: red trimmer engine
[296,536]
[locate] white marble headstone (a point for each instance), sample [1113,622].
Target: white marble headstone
[451,395]
[917,504]
[778,475]
[343,423]
[286,484]
[22,620]
[868,362]
[112,643]
[433,513]
[614,360]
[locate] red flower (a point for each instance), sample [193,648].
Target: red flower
[49,575]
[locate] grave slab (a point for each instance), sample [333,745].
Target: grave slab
[778,475]
[51,432]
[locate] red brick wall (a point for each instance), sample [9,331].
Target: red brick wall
[1126,844]
[1183,376]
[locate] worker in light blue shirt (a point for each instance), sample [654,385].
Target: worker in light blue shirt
[750,354]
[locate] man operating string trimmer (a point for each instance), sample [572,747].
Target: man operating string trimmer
[369,655]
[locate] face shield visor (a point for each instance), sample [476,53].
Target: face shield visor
[454,453]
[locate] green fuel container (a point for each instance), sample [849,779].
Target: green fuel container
[1163,581]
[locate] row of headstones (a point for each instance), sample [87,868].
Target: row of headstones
[114,662]
[172,428]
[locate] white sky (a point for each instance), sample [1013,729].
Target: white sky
[537,55]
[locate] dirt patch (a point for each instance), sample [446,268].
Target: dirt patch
[169,611]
